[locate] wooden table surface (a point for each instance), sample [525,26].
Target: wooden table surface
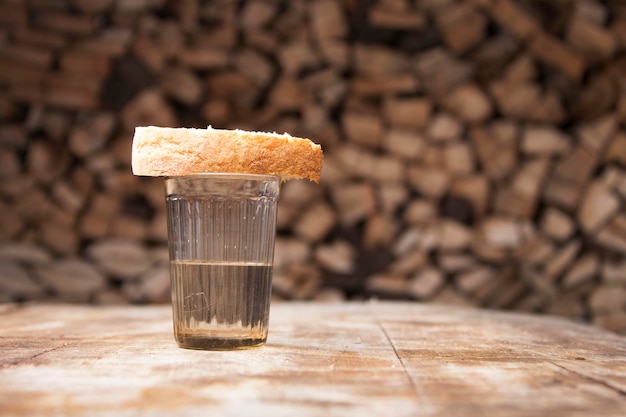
[350,359]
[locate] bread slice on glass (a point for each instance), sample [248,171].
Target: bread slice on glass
[165,151]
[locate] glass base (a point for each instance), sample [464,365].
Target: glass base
[209,342]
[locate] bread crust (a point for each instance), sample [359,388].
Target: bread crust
[165,151]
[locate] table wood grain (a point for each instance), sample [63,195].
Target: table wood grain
[334,359]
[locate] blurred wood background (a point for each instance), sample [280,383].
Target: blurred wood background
[475,150]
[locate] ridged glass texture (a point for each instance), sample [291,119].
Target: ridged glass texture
[221,239]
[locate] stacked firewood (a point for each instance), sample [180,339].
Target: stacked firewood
[475,149]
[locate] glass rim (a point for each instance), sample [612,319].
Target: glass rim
[226,175]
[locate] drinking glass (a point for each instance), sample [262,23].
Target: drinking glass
[221,231]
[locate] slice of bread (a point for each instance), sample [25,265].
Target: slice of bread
[165,151]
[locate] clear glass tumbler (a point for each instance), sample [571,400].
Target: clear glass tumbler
[221,231]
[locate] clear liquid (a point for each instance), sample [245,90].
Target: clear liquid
[220,305]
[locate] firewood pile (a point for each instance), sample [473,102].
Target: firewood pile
[475,150]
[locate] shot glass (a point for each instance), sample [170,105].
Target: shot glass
[221,232]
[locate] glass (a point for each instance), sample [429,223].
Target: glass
[221,231]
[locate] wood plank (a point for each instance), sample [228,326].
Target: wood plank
[331,359]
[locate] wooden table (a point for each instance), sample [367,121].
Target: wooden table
[350,359]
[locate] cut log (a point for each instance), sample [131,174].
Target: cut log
[409,262]
[387,285]
[379,61]
[444,127]
[392,197]
[514,18]
[181,84]
[354,201]
[29,56]
[256,14]
[469,103]
[82,63]
[451,262]
[407,112]
[474,189]
[570,305]
[520,198]
[536,250]
[203,59]
[409,242]
[583,270]
[556,224]
[287,95]
[66,91]
[595,99]
[10,165]
[95,220]
[121,258]
[615,179]
[470,281]
[380,230]
[393,17]
[262,41]
[327,20]
[14,15]
[92,136]
[614,272]
[497,156]
[290,251]
[553,52]
[296,57]
[425,283]
[254,66]
[128,227]
[616,151]
[526,101]
[405,143]
[420,211]
[93,7]
[590,40]
[25,254]
[337,256]
[452,236]
[595,135]
[613,235]
[363,129]
[562,193]
[428,181]
[335,53]
[607,299]
[46,162]
[561,260]
[459,159]
[149,108]
[66,23]
[542,140]
[614,321]
[383,85]
[112,43]
[316,222]
[17,284]
[440,72]
[365,164]
[462,26]
[77,280]
[39,38]
[502,233]
[597,207]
